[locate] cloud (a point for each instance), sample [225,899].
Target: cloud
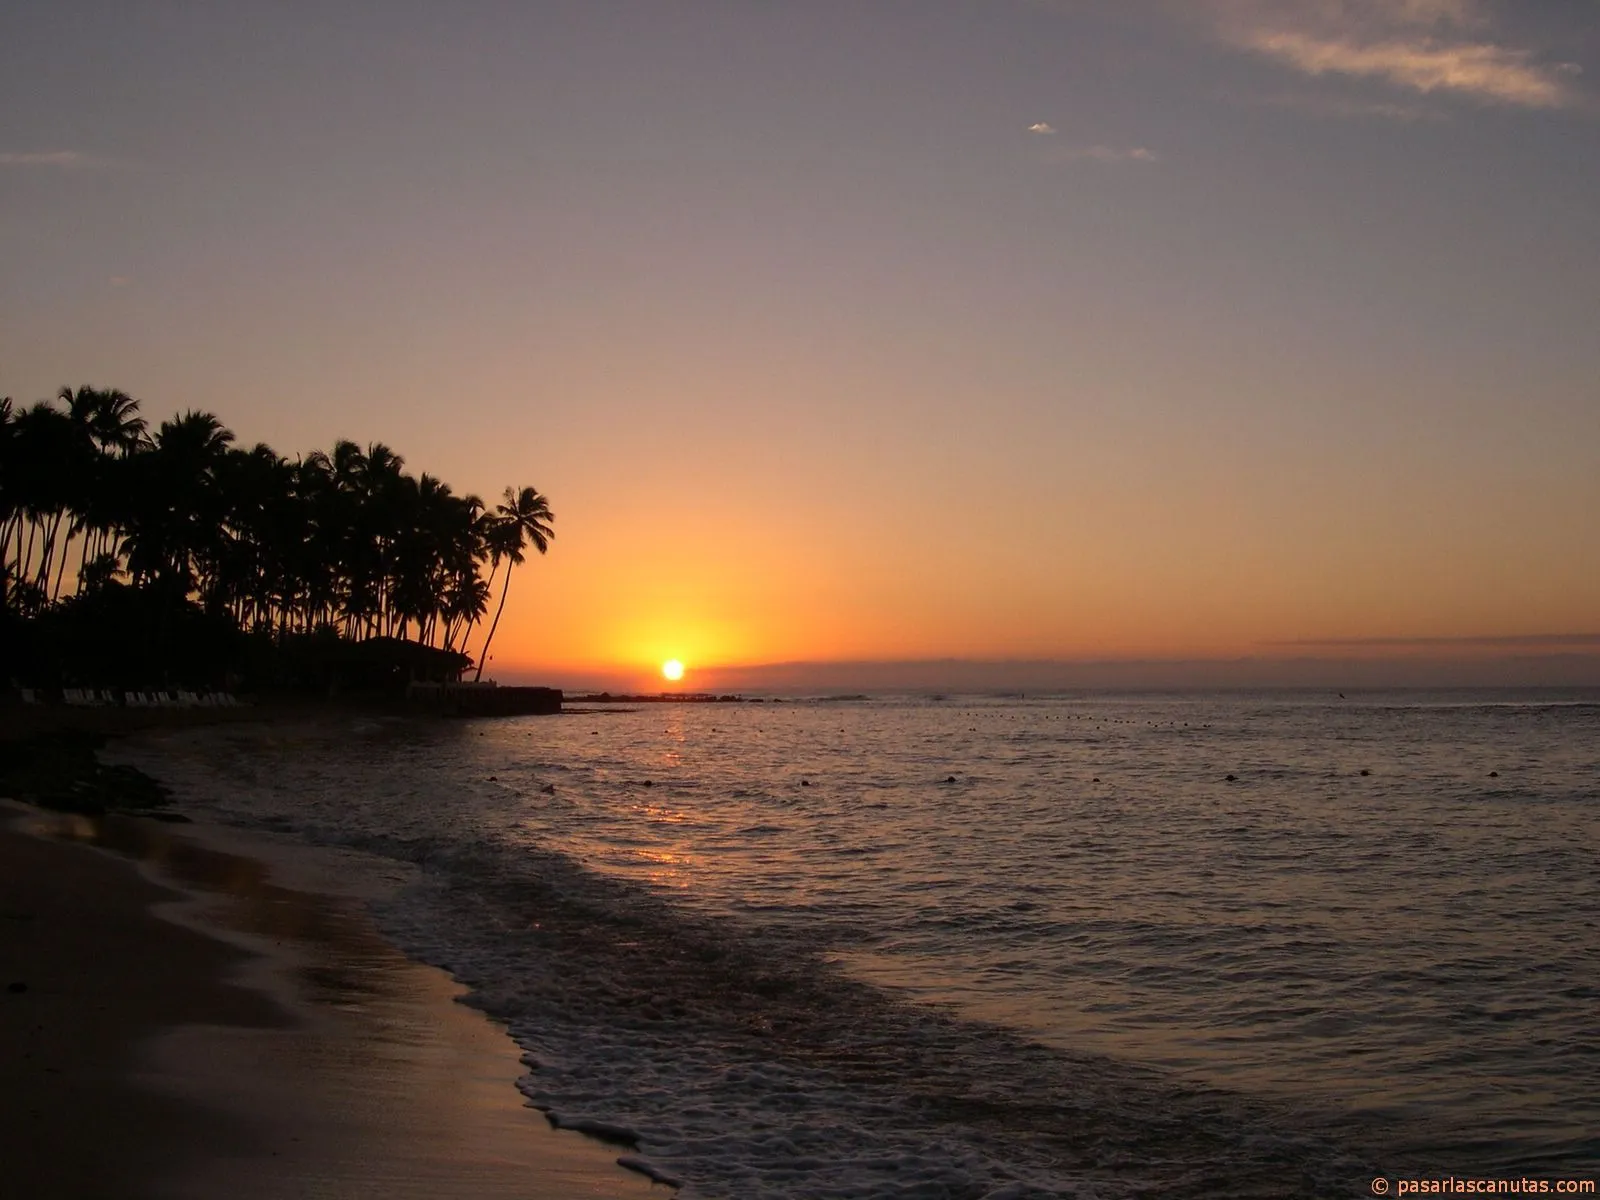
[45,158]
[1106,154]
[1041,127]
[1423,46]
[119,281]
[1481,70]
[1491,640]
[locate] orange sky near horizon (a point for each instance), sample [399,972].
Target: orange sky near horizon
[1226,558]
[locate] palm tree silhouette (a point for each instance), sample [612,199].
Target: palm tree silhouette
[181,526]
[178,505]
[524,517]
[9,511]
[47,463]
[116,431]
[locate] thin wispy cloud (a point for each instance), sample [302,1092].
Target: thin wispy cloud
[1041,127]
[1484,71]
[45,158]
[1488,640]
[1105,154]
[1428,47]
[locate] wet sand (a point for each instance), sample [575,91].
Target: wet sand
[149,1057]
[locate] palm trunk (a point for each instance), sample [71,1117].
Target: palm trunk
[61,567]
[83,559]
[472,622]
[49,555]
[26,562]
[505,591]
[13,560]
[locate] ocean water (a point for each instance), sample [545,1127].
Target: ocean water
[1091,945]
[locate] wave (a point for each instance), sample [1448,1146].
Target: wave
[735,1058]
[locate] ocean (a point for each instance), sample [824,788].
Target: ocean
[1003,947]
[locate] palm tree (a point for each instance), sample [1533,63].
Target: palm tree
[524,517]
[313,553]
[116,430]
[466,599]
[78,487]
[179,507]
[46,463]
[9,510]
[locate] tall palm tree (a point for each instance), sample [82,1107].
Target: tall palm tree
[9,510]
[78,485]
[116,430]
[523,518]
[313,553]
[46,463]
[177,527]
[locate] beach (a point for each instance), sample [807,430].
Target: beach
[216,1033]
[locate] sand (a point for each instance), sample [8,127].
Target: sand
[240,1038]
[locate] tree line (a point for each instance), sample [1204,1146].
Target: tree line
[345,541]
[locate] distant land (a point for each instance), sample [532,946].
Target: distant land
[1435,666]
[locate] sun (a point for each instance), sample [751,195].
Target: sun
[672,669]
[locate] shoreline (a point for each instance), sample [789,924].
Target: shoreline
[80,942]
[187,1026]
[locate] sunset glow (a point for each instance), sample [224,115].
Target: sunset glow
[1273,342]
[672,670]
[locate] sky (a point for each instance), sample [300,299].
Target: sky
[872,331]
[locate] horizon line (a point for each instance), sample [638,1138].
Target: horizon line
[1485,639]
